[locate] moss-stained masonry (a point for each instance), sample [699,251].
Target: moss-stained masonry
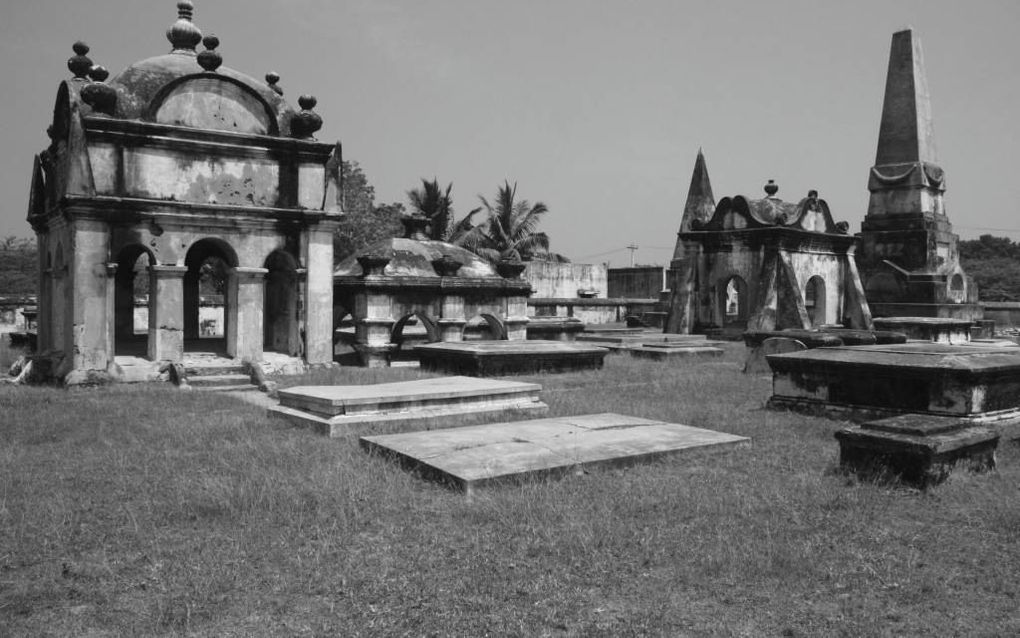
[174,161]
[762,264]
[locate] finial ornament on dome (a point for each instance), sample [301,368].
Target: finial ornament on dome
[101,97]
[183,35]
[210,59]
[307,121]
[771,188]
[271,79]
[79,64]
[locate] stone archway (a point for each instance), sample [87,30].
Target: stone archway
[281,327]
[210,274]
[484,327]
[412,329]
[734,304]
[132,282]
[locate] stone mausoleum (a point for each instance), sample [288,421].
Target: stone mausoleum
[908,253]
[176,172]
[761,264]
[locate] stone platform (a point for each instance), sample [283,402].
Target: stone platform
[918,449]
[471,457]
[969,381]
[495,358]
[425,403]
[672,351]
[935,329]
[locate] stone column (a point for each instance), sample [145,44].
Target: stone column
[373,328]
[166,313]
[452,318]
[318,297]
[88,285]
[516,321]
[43,318]
[245,295]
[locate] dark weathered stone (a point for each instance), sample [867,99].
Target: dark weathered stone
[921,450]
[495,358]
[810,338]
[963,381]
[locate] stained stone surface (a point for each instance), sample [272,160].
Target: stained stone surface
[936,329]
[492,358]
[470,457]
[918,449]
[973,381]
[423,403]
[672,351]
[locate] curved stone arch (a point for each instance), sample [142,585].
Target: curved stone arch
[165,109]
[734,299]
[815,300]
[496,328]
[430,325]
[125,288]
[280,325]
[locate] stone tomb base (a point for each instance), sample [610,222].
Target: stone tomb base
[936,329]
[494,358]
[969,381]
[672,351]
[470,457]
[917,449]
[425,403]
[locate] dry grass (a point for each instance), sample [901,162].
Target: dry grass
[148,511]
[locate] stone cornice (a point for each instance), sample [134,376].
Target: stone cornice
[134,133]
[440,285]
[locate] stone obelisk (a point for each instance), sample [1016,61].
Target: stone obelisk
[908,252]
[683,268]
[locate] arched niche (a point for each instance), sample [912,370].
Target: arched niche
[814,300]
[734,304]
[280,323]
[213,102]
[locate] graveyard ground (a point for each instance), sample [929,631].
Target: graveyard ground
[150,511]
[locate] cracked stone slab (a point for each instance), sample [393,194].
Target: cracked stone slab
[471,457]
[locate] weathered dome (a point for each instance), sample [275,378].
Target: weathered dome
[415,257]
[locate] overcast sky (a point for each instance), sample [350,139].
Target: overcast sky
[595,107]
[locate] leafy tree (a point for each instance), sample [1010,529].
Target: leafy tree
[437,206]
[511,228]
[19,263]
[364,222]
[994,263]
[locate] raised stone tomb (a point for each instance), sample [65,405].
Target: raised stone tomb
[424,403]
[971,381]
[918,449]
[935,329]
[471,457]
[494,358]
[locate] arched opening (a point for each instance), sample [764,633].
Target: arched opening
[411,330]
[280,323]
[484,327]
[956,292]
[206,308]
[733,302]
[814,300]
[132,302]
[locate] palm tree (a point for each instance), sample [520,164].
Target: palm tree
[511,230]
[437,206]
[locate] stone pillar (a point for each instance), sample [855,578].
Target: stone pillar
[43,318]
[245,294]
[373,328]
[318,297]
[516,321]
[166,313]
[87,287]
[111,309]
[452,318]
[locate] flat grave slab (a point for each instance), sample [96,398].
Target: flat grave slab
[918,449]
[423,403]
[971,381]
[936,329]
[672,351]
[472,457]
[495,358]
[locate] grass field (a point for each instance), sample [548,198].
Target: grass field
[132,511]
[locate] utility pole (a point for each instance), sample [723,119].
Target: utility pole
[632,248]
